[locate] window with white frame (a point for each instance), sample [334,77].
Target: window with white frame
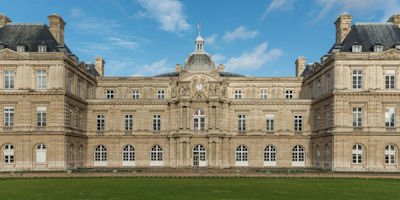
[378,48]
[128,155]
[110,94]
[238,94]
[270,155]
[298,122]
[41,116]
[160,94]
[128,122]
[289,94]
[319,87]
[390,154]
[357,79]
[8,116]
[100,122]
[41,79]
[71,153]
[318,121]
[269,125]
[199,120]
[42,48]
[8,79]
[264,94]
[357,116]
[156,122]
[356,48]
[242,156]
[21,48]
[8,154]
[100,155]
[241,122]
[135,94]
[357,154]
[41,151]
[390,114]
[298,156]
[156,156]
[390,79]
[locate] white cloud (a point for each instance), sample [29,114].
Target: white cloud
[253,60]
[211,39]
[92,25]
[123,43]
[155,68]
[240,33]
[218,58]
[278,5]
[167,12]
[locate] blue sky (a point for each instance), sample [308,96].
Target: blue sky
[149,37]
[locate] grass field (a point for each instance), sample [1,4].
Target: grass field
[198,188]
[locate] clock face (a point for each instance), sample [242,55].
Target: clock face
[199,86]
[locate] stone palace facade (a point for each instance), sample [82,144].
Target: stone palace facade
[339,114]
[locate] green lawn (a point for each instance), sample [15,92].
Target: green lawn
[198,188]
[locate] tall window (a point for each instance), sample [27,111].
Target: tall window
[264,94]
[390,79]
[110,94]
[329,82]
[128,155]
[41,152]
[327,119]
[289,94]
[78,89]
[160,94]
[79,118]
[41,116]
[41,79]
[42,48]
[8,154]
[156,156]
[357,154]
[8,116]
[242,156]
[156,122]
[241,122]
[318,155]
[71,153]
[357,116]
[318,121]
[69,122]
[238,94]
[298,156]
[270,122]
[199,155]
[100,122]
[80,153]
[311,90]
[8,79]
[319,87]
[327,154]
[135,94]
[128,122]
[390,154]
[357,79]
[270,156]
[69,83]
[390,114]
[199,120]
[87,91]
[298,123]
[100,155]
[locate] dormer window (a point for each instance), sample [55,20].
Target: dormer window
[356,48]
[397,46]
[378,48]
[21,48]
[42,48]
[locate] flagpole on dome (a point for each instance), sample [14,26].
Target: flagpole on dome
[198,28]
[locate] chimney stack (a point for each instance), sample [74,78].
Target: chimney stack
[300,65]
[4,19]
[57,28]
[343,26]
[99,65]
[395,19]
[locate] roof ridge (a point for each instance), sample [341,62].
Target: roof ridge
[34,24]
[373,23]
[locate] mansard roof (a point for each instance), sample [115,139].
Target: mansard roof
[222,74]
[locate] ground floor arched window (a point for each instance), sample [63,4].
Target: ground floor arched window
[156,156]
[327,155]
[242,156]
[8,154]
[298,156]
[100,155]
[390,154]
[357,154]
[270,156]
[128,155]
[41,151]
[199,156]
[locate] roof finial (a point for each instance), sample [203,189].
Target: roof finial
[198,28]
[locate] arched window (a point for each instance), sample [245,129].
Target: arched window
[318,155]
[100,155]
[270,156]
[156,156]
[199,120]
[41,153]
[8,154]
[80,153]
[327,154]
[298,156]
[357,154]
[70,153]
[390,154]
[128,155]
[242,156]
[199,156]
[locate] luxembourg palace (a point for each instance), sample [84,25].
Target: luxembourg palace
[339,114]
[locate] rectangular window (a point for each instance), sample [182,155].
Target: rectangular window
[319,87]
[78,89]
[128,122]
[318,121]
[21,48]
[329,82]
[390,114]
[9,79]
[41,116]
[298,123]
[357,79]
[110,94]
[289,94]
[270,122]
[42,48]
[356,48]
[357,116]
[238,94]
[79,119]
[135,94]
[160,94]
[264,94]
[41,79]
[390,79]
[327,119]
[156,122]
[242,122]
[311,90]
[100,122]
[8,116]
[87,91]
[69,118]
[69,87]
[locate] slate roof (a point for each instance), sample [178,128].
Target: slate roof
[222,74]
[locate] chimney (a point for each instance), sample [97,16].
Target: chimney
[395,19]
[221,68]
[178,68]
[343,26]
[57,28]
[99,65]
[300,65]
[4,19]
